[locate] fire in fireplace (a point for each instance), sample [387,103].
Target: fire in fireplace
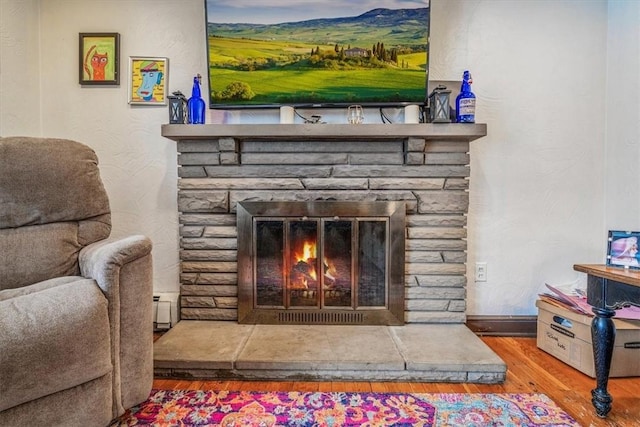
[321,262]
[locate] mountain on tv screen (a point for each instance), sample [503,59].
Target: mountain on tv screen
[308,53]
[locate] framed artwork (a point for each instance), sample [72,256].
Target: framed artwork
[148,80]
[99,62]
[622,249]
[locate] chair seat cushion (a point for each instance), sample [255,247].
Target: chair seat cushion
[54,335]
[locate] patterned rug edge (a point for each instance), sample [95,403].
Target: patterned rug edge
[278,408]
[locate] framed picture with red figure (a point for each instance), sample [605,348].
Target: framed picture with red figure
[99,62]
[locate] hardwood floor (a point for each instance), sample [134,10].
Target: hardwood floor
[530,370]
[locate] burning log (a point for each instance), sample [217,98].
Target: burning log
[301,275]
[307,268]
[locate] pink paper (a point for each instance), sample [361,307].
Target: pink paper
[580,303]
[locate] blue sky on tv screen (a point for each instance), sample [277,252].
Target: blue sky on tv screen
[278,11]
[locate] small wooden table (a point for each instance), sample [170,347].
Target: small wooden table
[608,288]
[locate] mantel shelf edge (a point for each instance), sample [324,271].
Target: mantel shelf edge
[463,132]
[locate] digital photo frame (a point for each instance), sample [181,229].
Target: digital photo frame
[622,249]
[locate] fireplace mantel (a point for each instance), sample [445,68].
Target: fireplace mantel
[463,132]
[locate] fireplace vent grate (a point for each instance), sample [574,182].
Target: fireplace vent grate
[298,317]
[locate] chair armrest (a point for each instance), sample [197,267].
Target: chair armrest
[122,268]
[102,260]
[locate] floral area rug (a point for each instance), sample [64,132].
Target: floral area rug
[332,409]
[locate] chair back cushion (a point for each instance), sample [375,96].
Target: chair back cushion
[52,204]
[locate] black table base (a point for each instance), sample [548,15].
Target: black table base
[603,335]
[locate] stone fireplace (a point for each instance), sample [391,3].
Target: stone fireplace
[423,167]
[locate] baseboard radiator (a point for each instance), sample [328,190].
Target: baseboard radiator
[165,310]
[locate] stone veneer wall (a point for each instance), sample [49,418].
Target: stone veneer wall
[430,175]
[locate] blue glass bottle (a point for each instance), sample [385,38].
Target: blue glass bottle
[466,101]
[196,103]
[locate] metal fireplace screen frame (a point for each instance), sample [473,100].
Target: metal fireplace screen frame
[389,313]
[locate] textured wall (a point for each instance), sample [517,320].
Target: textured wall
[622,152]
[536,191]
[19,68]
[537,201]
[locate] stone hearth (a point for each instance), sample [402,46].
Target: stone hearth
[418,352]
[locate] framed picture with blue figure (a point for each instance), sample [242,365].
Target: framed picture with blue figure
[148,80]
[622,249]
[99,59]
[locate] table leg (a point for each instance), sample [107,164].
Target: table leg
[603,334]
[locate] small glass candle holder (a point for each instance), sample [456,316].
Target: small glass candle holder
[355,114]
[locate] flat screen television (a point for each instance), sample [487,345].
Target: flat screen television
[308,53]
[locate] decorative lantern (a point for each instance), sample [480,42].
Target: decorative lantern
[177,108]
[439,105]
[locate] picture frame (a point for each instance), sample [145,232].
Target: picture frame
[622,249]
[148,80]
[99,59]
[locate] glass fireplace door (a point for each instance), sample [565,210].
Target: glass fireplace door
[320,263]
[303,281]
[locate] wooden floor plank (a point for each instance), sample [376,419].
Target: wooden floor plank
[216,385]
[530,370]
[306,386]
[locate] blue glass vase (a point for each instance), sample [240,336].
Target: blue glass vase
[196,103]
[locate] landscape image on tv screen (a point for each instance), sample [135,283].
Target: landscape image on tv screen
[310,53]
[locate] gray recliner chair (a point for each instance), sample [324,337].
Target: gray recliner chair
[76,331]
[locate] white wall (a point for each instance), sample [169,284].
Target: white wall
[538,179]
[622,184]
[19,68]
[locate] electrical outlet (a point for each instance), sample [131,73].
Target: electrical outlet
[481,271]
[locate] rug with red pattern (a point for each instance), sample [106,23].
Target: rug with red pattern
[333,409]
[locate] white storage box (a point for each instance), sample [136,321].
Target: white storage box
[567,336]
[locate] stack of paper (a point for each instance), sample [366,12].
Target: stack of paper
[578,303]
